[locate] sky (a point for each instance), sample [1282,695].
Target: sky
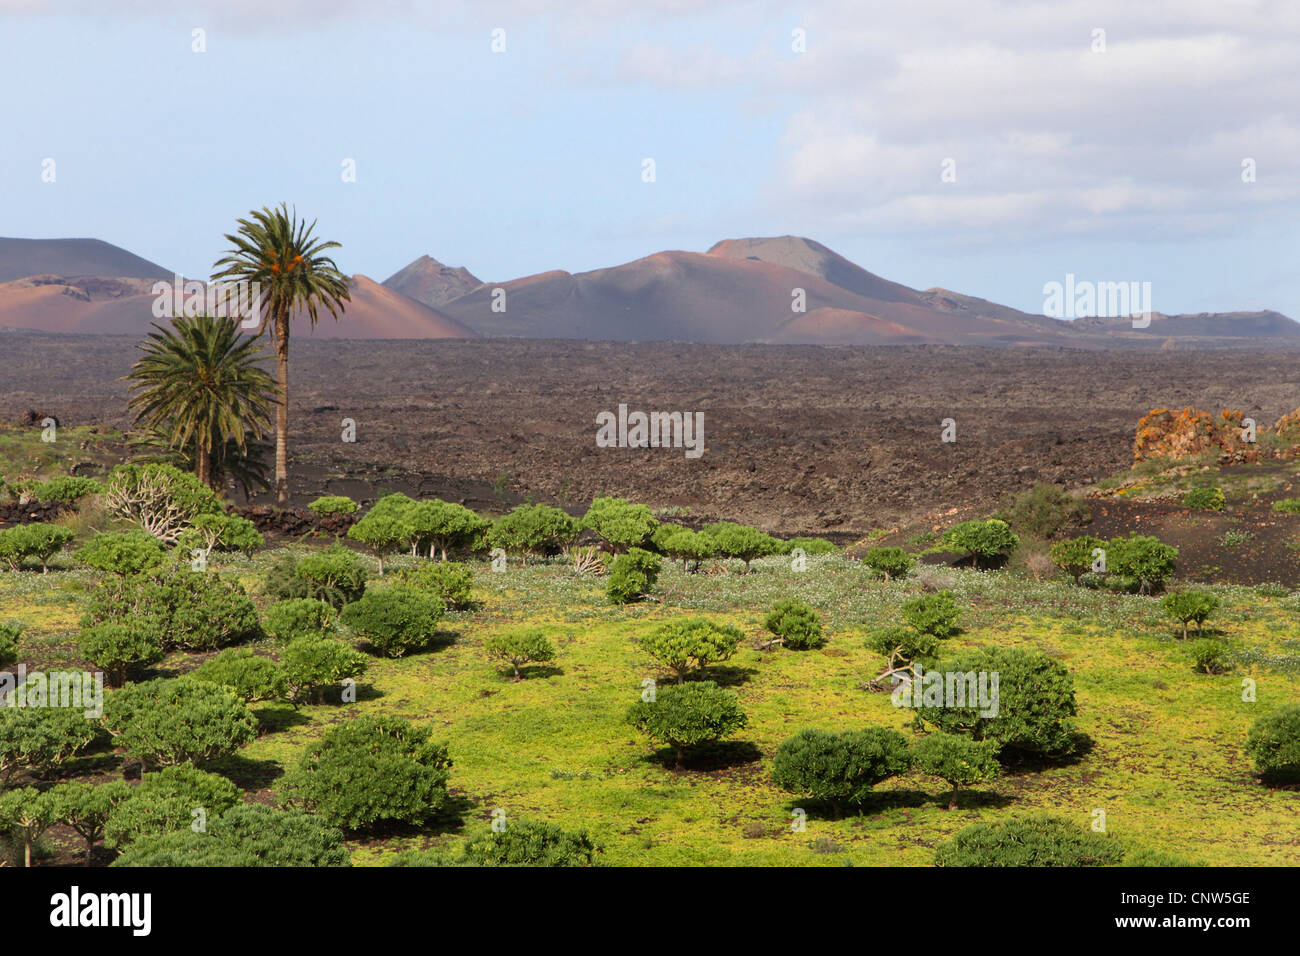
[985,147]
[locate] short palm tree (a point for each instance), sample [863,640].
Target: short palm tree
[278,251]
[200,388]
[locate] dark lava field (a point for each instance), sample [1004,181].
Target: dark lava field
[797,439]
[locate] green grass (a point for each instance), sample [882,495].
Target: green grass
[1167,765]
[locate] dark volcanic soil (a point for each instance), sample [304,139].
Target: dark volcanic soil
[798,439]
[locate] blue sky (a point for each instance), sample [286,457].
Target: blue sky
[1114,164]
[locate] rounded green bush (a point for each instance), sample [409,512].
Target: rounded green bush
[529,843]
[934,614]
[632,576]
[333,505]
[1205,499]
[166,800]
[395,620]
[1274,743]
[248,834]
[126,553]
[372,769]
[839,768]
[448,581]
[291,619]
[688,644]
[121,650]
[795,624]
[520,647]
[889,562]
[253,677]
[26,541]
[1029,841]
[687,715]
[311,664]
[989,542]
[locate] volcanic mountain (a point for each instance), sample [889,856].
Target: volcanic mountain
[124,306]
[744,290]
[429,281]
[72,258]
[780,290]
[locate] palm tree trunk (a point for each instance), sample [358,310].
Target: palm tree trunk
[282,408]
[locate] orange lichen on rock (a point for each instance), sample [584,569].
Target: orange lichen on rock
[1192,433]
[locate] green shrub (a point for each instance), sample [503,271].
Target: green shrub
[25,541]
[395,620]
[252,677]
[125,553]
[291,619]
[121,650]
[1035,701]
[839,768]
[334,575]
[1142,558]
[1075,556]
[622,524]
[162,499]
[1033,841]
[958,761]
[246,835]
[372,769]
[1144,856]
[333,505]
[9,634]
[143,721]
[443,526]
[1186,607]
[795,625]
[533,531]
[25,815]
[683,716]
[65,489]
[740,541]
[901,646]
[38,740]
[520,647]
[529,843]
[1290,506]
[1210,656]
[311,664]
[632,576]
[166,800]
[811,546]
[889,562]
[683,544]
[1274,744]
[183,609]
[220,532]
[1044,511]
[1205,499]
[688,644]
[935,614]
[85,808]
[449,582]
[381,534]
[989,543]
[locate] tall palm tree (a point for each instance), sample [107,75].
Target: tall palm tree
[278,251]
[200,388]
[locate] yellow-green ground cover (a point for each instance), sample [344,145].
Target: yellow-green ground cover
[1166,767]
